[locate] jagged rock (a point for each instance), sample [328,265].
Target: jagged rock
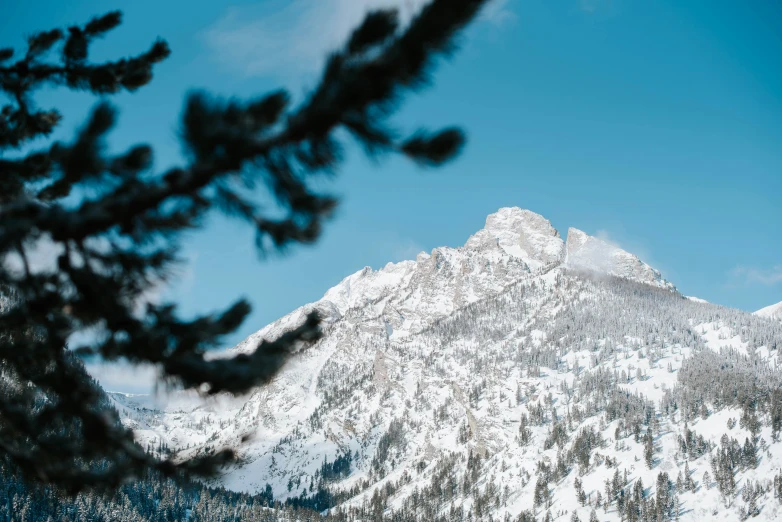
[441,344]
[519,233]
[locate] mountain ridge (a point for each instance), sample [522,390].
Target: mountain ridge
[773,311]
[521,237]
[468,362]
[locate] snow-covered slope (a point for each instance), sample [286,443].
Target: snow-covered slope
[402,298]
[485,379]
[772,312]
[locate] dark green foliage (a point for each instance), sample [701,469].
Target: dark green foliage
[337,469]
[614,490]
[749,419]
[725,462]
[528,516]
[117,240]
[321,500]
[558,436]
[580,494]
[750,494]
[693,445]
[541,493]
[776,413]
[634,508]
[664,496]
[743,381]
[585,442]
[151,498]
[393,437]
[750,454]
[649,448]
[525,434]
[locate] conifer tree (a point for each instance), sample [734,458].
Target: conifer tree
[689,485]
[663,495]
[525,434]
[580,494]
[649,448]
[776,414]
[116,225]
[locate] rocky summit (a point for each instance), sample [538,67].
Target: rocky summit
[516,376]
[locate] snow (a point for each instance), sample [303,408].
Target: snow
[771,312]
[591,253]
[718,336]
[520,233]
[412,340]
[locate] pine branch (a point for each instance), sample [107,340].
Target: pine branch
[115,245]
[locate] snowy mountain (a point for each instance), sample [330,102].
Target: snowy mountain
[516,374]
[403,298]
[772,312]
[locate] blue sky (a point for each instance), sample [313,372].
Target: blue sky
[655,124]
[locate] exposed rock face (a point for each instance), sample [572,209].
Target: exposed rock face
[386,336]
[587,252]
[426,362]
[405,297]
[520,233]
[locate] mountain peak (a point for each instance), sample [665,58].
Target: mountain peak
[520,233]
[592,253]
[407,296]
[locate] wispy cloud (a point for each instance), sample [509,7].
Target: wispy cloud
[746,275]
[637,247]
[406,250]
[391,247]
[634,246]
[293,38]
[606,236]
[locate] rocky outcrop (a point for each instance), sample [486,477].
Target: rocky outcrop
[519,233]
